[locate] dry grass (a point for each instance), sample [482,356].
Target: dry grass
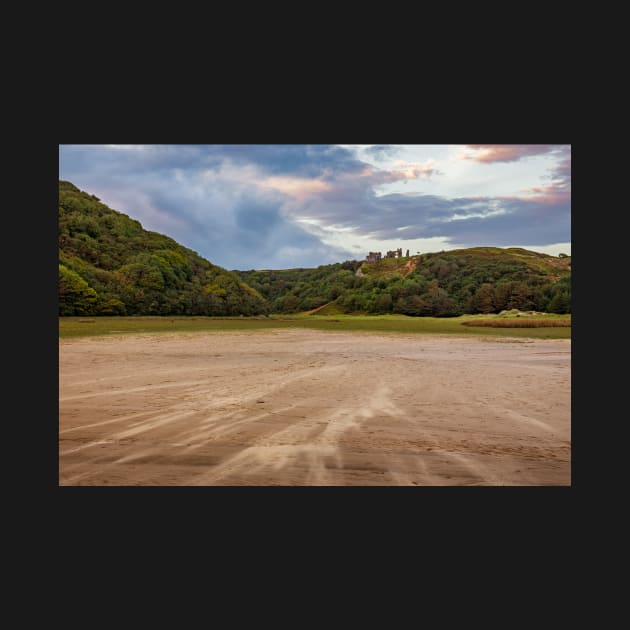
[519,323]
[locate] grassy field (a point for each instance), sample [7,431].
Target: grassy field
[464,325]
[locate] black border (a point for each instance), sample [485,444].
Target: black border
[404,115]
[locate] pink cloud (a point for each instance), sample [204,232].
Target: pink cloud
[489,153]
[552,194]
[298,187]
[412,170]
[559,189]
[402,171]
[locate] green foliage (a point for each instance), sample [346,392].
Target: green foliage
[109,265]
[560,303]
[295,290]
[484,299]
[76,296]
[444,284]
[560,297]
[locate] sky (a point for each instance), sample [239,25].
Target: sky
[285,206]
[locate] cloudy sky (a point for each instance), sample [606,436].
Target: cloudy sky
[282,206]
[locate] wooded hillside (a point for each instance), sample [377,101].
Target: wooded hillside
[110,265]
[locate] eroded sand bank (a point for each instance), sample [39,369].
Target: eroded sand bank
[301,407]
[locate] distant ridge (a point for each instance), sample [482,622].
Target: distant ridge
[440,284]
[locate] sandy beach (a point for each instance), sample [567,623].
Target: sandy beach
[305,407]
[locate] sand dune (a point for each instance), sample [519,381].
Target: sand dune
[301,407]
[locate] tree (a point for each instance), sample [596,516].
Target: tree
[442,305]
[520,298]
[502,293]
[384,303]
[484,299]
[112,306]
[76,296]
[560,303]
[290,303]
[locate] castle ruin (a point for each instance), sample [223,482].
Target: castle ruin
[377,256]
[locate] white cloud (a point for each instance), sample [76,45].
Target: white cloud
[253,206]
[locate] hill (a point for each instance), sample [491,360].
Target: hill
[552,266]
[110,265]
[293,290]
[449,283]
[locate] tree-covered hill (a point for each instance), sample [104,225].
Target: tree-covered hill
[110,265]
[476,280]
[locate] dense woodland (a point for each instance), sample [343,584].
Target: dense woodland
[110,265]
[445,284]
